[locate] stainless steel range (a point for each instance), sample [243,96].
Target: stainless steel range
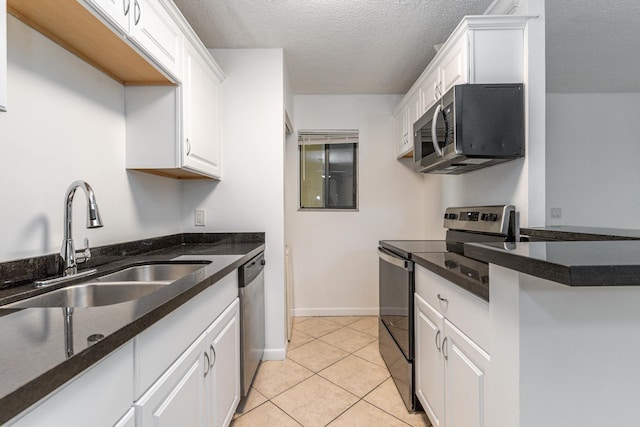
[396,286]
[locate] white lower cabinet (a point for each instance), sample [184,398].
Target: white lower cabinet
[222,383]
[465,367]
[202,387]
[429,325]
[177,398]
[450,367]
[182,371]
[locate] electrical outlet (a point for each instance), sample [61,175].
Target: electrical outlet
[556,213]
[200,217]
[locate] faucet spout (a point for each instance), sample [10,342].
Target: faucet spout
[68,252]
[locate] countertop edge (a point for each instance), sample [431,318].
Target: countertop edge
[522,264]
[21,399]
[468,285]
[569,275]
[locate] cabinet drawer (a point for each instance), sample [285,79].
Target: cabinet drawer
[159,346]
[467,312]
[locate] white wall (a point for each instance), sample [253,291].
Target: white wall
[335,261]
[250,196]
[593,147]
[520,182]
[65,121]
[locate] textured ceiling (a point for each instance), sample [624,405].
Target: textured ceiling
[382,46]
[593,46]
[335,46]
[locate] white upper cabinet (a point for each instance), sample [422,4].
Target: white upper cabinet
[174,131]
[150,26]
[155,31]
[3,55]
[116,12]
[408,115]
[482,49]
[201,140]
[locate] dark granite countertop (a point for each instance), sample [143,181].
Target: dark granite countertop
[33,360]
[576,263]
[572,232]
[470,275]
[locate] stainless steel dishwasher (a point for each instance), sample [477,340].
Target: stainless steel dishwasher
[251,284]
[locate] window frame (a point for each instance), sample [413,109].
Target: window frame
[326,148]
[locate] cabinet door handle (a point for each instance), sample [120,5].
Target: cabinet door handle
[444,348]
[188,147]
[437,340]
[126,5]
[435,91]
[207,365]
[136,12]
[213,355]
[443,299]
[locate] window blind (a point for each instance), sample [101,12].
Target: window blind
[313,137]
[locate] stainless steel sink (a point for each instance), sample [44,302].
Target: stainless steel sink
[151,273]
[126,285]
[92,294]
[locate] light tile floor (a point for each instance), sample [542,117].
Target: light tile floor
[333,376]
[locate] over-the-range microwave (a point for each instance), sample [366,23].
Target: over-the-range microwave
[473,126]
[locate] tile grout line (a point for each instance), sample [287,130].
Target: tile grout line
[314,373]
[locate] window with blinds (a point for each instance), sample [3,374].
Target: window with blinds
[328,169]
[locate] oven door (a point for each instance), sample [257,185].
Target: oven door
[396,322]
[396,299]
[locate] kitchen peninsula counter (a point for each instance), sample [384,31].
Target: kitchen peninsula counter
[34,359]
[573,232]
[575,263]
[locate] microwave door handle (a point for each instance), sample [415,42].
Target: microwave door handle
[434,134]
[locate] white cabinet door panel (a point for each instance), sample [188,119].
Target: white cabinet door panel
[453,68]
[201,130]
[155,32]
[429,93]
[177,398]
[429,370]
[466,366]
[224,378]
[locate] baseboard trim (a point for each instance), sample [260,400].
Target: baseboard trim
[343,311]
[274,354]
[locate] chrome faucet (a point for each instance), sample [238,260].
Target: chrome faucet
[71,258]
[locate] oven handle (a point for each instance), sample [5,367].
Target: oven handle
[398,262]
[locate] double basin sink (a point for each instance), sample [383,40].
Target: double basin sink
[125,285]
